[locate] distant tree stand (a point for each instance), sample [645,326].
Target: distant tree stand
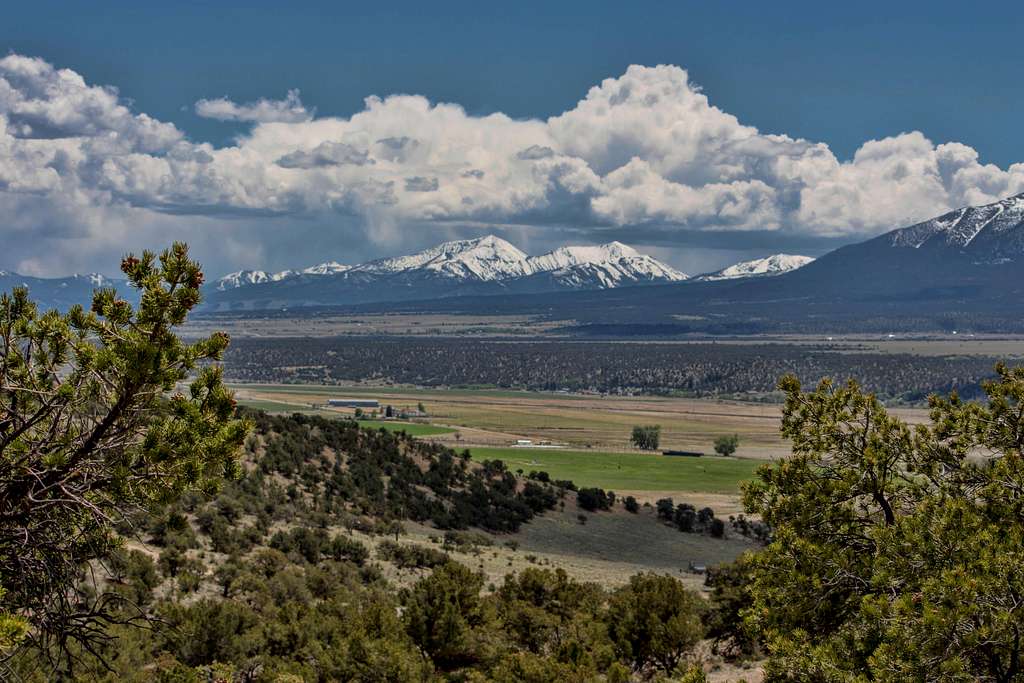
[93,428]
[727,445]
[646,438]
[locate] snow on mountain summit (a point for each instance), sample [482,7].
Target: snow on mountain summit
[241,278]
[492,259]
[485,258]
[564,257]
[328,268]
[776,264]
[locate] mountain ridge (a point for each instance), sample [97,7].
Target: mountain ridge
[485,265]
[925,277]
[485,258]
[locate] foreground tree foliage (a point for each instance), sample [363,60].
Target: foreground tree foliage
[898,550]
[654,622]
[93,429]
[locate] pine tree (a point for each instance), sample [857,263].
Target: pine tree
[898,550]
[95,425]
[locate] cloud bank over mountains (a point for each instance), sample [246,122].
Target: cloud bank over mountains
[83,171]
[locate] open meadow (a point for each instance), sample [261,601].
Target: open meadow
[497,418]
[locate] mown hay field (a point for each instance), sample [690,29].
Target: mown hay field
[603,423]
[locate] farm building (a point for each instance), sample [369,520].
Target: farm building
[353,403]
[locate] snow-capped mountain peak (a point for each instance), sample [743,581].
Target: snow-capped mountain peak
[241,278]
[575,255]
[485,258]
[328,268]
[487,263]
[776,264]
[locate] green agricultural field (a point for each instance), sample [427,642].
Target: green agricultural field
[629,471]
[410,428]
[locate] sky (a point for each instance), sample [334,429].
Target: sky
[276,136]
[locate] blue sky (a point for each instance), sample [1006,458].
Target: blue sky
[839,74]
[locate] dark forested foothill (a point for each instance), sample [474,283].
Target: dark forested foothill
[336,468]
[693,369]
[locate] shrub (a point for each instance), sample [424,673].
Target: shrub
[717,528]
[655,621]
[593,499]
[466,541]
[442,611]
[343,548]
[411,556]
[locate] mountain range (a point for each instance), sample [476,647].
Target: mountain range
[484,266]
[960,269]
[61,292]
[487,265]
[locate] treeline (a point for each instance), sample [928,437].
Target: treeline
[616,368]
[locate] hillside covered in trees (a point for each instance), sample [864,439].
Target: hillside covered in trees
[268,578]
[690,369]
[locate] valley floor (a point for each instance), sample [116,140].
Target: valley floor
[593,433]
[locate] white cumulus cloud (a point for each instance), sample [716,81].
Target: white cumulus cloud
[288,110]
[84,171]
